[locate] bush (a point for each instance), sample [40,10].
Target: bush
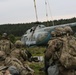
[12,38]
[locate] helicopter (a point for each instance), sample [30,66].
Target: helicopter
[40,34]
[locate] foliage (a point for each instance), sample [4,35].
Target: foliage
[75,35]
[36,66]
[37,51]
[12,38]
[0,36]
[20,29]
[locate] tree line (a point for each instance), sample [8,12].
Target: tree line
[20,29]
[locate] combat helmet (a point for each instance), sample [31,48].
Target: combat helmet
[53,34]
[2,55]
[59,31]
[68,29]
[4,35]
[13,70]
[18,44]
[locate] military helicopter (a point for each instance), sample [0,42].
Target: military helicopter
[40,34]
[36,35]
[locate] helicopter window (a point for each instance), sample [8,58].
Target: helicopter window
[41,26]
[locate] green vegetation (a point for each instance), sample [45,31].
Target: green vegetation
[75,34]
[0,36]
[12,38]
[20,29]
[37,51]
[36,66]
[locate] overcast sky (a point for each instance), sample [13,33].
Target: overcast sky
[22,11]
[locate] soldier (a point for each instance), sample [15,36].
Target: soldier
[60,53]
[68,30]
[53,52]
[23,70]
[7,62]
[5,44]
[2,58]
[18,52]
[2,62]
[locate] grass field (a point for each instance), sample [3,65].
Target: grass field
[37,51]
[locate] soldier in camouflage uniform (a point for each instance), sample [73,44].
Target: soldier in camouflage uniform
[54,45]
[55,49]
[7,62]
[18,52]
[4,69]
[2,58]
[14,61]
[2,62]
[5,44]
[18,57]
[69,47]
[24,70]
[68,30]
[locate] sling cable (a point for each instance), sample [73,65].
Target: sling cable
[48,6]
[36,17]
[35,10]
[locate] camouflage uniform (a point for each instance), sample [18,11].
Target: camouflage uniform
[1,73]
[55,48]
[2,58]
[2,62]
[18,64]
[50,51]
[5,44]
[68,30]
[19,58]
[18,52]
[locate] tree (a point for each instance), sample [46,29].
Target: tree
[12,38]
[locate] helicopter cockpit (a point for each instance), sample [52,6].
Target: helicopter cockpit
[40,26]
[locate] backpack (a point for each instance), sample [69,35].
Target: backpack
[53,70]
[68,53]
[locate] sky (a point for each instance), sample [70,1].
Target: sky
[22,11]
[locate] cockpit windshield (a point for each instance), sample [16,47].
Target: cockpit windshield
[40,26]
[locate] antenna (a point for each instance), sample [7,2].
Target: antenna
[35,10]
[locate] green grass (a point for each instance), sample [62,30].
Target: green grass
[37,51]
[36,66]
